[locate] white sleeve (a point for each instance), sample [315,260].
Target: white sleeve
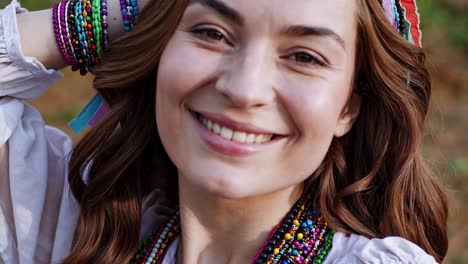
[20,77]
[38,214]
[355,249]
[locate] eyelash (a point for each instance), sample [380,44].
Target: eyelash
[203,33]
[312,60]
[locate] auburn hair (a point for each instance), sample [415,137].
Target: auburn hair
[372,182]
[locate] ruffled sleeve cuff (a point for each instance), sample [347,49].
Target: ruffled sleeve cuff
[355,249]
[21,77]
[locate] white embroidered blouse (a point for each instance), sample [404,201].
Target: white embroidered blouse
[38,213]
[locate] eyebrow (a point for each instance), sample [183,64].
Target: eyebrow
[292,31]
[224,10]
[301,31]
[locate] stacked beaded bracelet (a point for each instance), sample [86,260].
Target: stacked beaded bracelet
[81,30]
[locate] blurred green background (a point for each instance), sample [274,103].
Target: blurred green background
[445,37]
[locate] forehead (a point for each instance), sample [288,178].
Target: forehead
[338,15]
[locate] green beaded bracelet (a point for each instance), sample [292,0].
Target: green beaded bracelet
[97,27]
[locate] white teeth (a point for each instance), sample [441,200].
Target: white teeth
[209,125]
[259,139]
[226,133]
[216,128]
[237,136]
[250,138]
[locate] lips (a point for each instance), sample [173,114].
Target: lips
[230,137]
[231,134]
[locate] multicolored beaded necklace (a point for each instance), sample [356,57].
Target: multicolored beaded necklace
[302,237]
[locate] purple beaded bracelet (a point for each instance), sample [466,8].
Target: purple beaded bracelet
[58,39]
[63,25]
[61,34]
[71,53]
[127,15]
[104,23]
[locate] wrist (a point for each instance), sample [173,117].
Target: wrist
[83,28]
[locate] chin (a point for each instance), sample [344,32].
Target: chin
[226,187]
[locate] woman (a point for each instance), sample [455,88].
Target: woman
[238,131]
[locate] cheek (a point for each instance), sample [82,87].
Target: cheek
[183,68]
[178,76]
[174,74]
[314,107]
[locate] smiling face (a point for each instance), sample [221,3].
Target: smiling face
[251,93]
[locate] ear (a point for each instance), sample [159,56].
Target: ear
[348,115]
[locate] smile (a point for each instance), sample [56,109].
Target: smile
[233,138]
[234,135]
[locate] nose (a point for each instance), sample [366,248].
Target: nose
[246,80]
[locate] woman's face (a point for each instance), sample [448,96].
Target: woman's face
[251,93]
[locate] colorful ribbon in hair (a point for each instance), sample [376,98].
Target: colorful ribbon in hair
[93,112]
[410,16]
[96,109]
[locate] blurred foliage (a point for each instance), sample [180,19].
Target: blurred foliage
[31,4]
[448,17]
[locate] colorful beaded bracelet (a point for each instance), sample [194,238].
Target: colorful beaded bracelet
[81,30]
[130,12]
[56,17]
[97,29]
[136,11]
[88,29]
[81,34]
[65,33]
[125,15]
[71,29]
[81,38]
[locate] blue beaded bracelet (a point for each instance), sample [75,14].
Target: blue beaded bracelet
[126,17]
[135,10]
[81,37]
[130,12]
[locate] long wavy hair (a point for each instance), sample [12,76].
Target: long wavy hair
[372,182]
